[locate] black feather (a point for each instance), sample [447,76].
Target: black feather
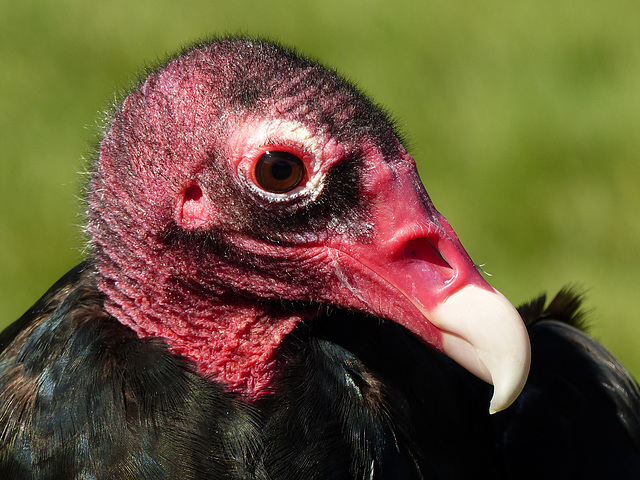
[83,397]
[579,413]
[565,307]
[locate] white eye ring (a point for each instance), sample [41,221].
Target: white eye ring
[278,135]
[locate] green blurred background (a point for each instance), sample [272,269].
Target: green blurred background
[524,118]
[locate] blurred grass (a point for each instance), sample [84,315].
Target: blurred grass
[524,118]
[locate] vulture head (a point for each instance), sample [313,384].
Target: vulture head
[242,189]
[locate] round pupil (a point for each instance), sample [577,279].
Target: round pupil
[279,172]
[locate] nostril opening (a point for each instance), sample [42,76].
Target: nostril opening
[194,192]
[424,250]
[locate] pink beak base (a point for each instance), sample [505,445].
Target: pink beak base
[416,273]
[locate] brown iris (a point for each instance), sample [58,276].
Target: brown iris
[279,172]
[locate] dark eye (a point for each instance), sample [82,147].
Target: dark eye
[279,172]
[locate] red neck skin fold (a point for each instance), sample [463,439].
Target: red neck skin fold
[231,343]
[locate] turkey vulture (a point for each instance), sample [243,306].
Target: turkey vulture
[270,294]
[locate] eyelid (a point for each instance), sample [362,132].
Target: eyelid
[293,148]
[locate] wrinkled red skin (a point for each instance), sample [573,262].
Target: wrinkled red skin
[189,248]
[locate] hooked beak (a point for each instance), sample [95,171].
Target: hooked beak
[483,332]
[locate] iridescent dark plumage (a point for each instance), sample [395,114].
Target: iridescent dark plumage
[222,330]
